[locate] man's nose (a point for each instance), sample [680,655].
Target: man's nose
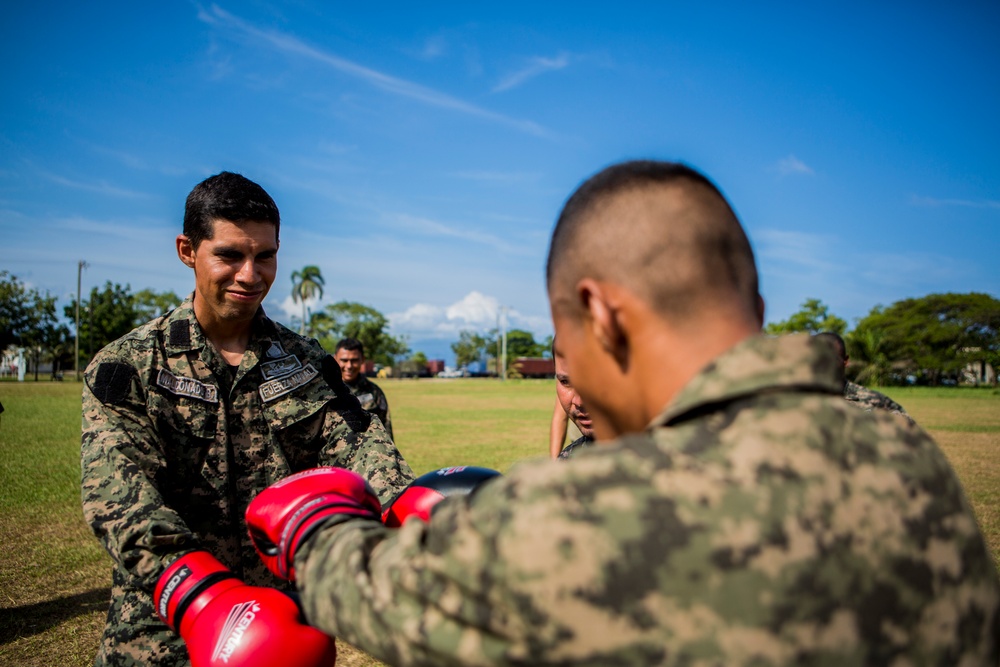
[248,272]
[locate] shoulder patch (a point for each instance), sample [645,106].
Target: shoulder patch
[180,333]
[345,403]
[111,382]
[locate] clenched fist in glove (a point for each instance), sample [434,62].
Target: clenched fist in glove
[426,491]
[284,514]
[226,622]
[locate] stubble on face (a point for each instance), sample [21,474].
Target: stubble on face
[234,270]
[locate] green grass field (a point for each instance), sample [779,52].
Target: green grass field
[54,577]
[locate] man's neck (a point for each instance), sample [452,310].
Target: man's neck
[668,365]
[230,338]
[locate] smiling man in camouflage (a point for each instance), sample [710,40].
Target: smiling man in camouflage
[734,511]
[187,417]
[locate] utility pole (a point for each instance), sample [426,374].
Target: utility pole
[80,266]
[503,338]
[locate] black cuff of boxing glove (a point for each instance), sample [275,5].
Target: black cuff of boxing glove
[310,531]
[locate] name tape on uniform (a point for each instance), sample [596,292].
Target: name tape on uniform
[273,389]
[187,387]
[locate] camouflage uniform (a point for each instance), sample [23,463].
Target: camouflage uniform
[575,447]
[175,446]
[372,399]
[761,520]
[869,398]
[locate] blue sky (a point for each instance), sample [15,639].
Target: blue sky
[420,155]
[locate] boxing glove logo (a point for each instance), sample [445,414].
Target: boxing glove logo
[237,623]
[168,590]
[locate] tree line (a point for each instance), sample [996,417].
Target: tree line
[935,339]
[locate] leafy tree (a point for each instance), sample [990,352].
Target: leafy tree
[28,319]
[150,304]
[349,319]
[937,335]
[306,284]
[521,343]
[16,314]
[813,317]
[472,347]
[107,315]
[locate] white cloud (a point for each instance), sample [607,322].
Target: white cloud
[292,308]
[101,188]
[967,203]
[534,66]
[792,165]
[475,311]
[292,45]
[814,252]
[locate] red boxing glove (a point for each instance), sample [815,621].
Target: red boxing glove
[284,514]
[225,622]
[426,491]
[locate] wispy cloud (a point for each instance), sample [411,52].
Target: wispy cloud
[497,176]
[800,249]
[916,200]
[430,227]
[290,44]
[792,165]
[100,187]
[534,66]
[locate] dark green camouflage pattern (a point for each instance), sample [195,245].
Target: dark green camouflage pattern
[762,520]
[868,399]
[373,400]
[170,460]
[575,447]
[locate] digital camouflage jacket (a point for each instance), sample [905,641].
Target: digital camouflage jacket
[761,520]
[869,398]
[373,400]
[175,445]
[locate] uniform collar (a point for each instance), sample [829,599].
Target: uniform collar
[755,365]
[184,334]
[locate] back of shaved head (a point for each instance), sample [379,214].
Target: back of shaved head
[660,229]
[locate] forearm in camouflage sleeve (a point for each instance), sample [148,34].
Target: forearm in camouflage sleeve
[417,595]
[119,458]
[357,442]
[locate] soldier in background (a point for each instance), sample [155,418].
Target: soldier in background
[735,510]
[866,398]
[187,417]
[350,354]
[572,406]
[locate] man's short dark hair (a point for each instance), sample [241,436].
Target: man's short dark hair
[227,196]
[837,341]
[680,254]
[351,345]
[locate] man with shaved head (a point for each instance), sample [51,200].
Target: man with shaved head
[734,511]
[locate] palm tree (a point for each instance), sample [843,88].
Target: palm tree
[306,284]
[869,345]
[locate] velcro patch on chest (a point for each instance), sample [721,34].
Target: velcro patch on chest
[187,387]
[278,387]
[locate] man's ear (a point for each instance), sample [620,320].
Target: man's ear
[605,319]
[760,311]
[185,250]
